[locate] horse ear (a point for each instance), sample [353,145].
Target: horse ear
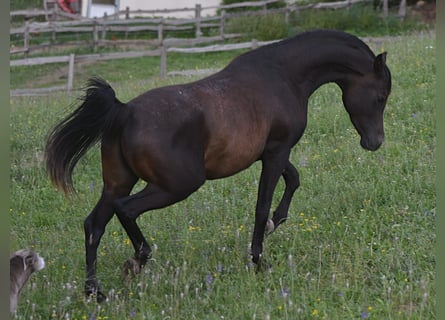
[380,63]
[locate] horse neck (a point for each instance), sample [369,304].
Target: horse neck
[341,65]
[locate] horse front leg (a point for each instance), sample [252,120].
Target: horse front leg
[128,209]
[273,166]
[292,181]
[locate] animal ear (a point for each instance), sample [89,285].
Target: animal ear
[380,63]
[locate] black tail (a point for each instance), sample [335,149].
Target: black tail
[99,115]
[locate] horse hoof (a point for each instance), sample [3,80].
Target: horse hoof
[264,266]
[255,259]
[131,268]
[270,227]
[260,264]
[95,294]
[100,297]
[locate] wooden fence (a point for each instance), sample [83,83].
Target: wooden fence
[160,46]
[161,52]
[98,28]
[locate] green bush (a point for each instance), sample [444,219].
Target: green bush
[278,4]
[358,19]
[265,28]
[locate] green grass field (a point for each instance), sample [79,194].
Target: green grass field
[359,242]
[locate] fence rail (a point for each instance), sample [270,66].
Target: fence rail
[161,53]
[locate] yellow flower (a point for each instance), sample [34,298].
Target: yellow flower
[315,312]
[193,228]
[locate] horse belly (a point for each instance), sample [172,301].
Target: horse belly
[225,159]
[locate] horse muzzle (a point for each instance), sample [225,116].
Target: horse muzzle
[372,144]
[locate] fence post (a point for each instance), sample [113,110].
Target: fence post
[104,26]
[222,26]
[286,14]
[161,32]
[69,85]
[198,32]
[254,44]
[163,69]
[53,32]
[95,35]
[127,12]
[402,9]
[385,8]
[26,39]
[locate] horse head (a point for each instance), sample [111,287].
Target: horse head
[365,99]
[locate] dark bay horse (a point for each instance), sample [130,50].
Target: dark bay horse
[176,137]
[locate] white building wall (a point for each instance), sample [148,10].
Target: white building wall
[171,4]
[91,10]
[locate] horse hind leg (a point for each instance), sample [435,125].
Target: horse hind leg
[94,227]
[292,181]
[118,182]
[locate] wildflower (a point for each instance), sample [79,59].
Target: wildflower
[314,312]
[364,315]
[284,292]
[209,278]
[193,228]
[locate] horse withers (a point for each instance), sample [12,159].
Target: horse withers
[176,137]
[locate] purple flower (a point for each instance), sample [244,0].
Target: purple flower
[364,315]
[285,292]
[209,278]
